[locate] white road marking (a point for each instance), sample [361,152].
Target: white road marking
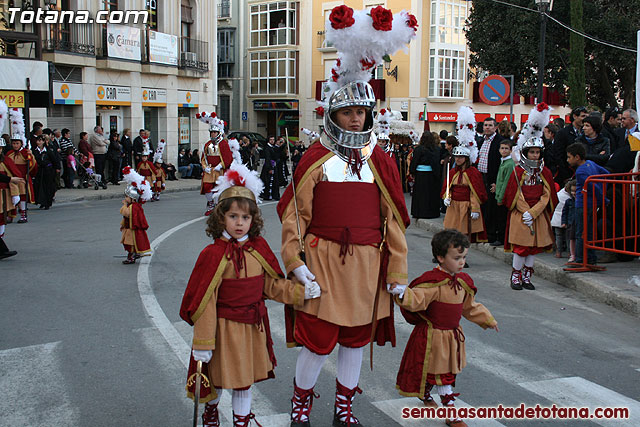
[260,403]
[32,388]
[579,392]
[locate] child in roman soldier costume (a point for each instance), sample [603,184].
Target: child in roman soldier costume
[345,211]
[463,190]
[160,174]
[224,299]
[531,198]
[21,162]
[382,130]
[216,157]
[9,192]
[134,224]
[435,302]
[147,169]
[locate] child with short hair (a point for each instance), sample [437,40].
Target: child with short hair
[146,169]
[434,303]
[224,299]
[134,224]
[576,158]
[568,218]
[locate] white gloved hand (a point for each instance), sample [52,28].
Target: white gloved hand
[312,290]
[202,355]
[475,215]
[163,185]
[15,200]
[303,274]
[447,201]
[218,168]
[207,169]
[527,218]
[398,290]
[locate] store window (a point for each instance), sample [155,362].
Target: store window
[273,24]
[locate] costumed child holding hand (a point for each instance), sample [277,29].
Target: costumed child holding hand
[463,191]
[434,303]
[224,299]
[134,224]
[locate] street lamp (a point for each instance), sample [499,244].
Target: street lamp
[543,6]
[387,66]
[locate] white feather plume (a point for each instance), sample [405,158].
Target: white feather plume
[234,145]
[466,131]
[361,47]
[157,157]
[311,134]
[17,125]
[533,128]
[133,178]
[239,174]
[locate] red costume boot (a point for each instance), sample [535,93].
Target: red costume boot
[447,400]
[527,272]
[244,420]
[516,279]
[210,417]
[209,208]
[23,216]
[301,404]
[428,399]
[343,414]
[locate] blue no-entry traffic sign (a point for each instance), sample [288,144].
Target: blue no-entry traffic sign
[494,90]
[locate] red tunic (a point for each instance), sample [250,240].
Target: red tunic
[18,161]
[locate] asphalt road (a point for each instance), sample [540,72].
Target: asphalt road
[88,341]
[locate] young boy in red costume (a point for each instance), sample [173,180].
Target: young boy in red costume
[224,299]
[146,169]
[161,175]
[434,303]
[463,190]
[134,224]
[22,164]
[531,199]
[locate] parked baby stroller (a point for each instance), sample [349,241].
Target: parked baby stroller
[86,175]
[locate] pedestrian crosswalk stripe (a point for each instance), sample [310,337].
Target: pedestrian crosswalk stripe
[33,388]
[579,392]
[393,409]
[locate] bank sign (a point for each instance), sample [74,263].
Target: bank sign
[154,97]
[123,42]
[113,95]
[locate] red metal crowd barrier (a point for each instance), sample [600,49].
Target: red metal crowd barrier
[612,219]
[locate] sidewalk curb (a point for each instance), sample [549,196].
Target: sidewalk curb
[593,289]
[105,195]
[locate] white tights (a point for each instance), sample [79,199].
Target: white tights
[240,401]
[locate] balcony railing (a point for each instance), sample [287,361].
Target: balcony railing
[77,38]
[224,9]
[194,54]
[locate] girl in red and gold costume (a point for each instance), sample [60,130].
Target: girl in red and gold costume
[463,190]
[134,224]
[531,198]
[216,157]
[435,302]
[147,169]
[345,210]
[224,299]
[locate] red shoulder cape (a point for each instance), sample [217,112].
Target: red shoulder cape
[32,166]
[139,226]
[207,266]
[475,178]
[226,156]
[386,173]
[440,278]
[512,192]
[148,163]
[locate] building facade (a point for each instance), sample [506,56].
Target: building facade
[154,75]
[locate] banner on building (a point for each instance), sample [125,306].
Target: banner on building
[185,130]
[123,42]
[163,48]
[13,98]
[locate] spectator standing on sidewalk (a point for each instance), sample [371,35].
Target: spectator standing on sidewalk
[576,157]
[629,126]
[569,218]
[44,185]
[565,137]
[560,231]
[488,165]
[127,149]
[611,123]
[99,145]
[596,145]
[506,168]
[114,157]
